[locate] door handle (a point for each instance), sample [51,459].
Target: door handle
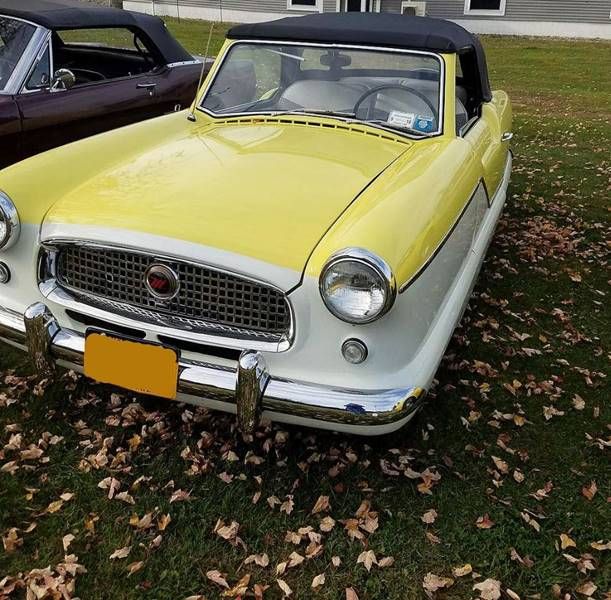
[150,86]
[507,136]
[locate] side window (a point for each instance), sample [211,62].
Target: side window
[41,75]
[109,38]
[96,55]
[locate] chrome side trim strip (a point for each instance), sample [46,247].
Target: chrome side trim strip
[442,243]
[184,63]
[245,391]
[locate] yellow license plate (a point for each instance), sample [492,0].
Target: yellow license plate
[136,366]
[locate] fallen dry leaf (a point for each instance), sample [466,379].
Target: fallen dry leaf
[67,540]
[295,559]
[11,541]
[286,590]
[566,542]
[589,491]
[239,589]
[601,546]
[387,561]
[217,577]
[318,581]
[121,553]
[586,589]
[326,524]
[433,583]
[484,522]
[163,522]
[501,465]
[134,567]
[322,505]
[429,516]
[367,559]
[261,560]
[125,497]
[180,496]
[462,571]
[490,589]
[351,594]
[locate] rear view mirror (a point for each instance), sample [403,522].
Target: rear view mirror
[335,60]
[63,79]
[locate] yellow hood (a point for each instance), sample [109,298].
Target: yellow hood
[264,190]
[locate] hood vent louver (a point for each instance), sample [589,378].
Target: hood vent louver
[301,121]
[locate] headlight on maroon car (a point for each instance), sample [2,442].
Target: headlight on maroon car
[357,286]
[9,222]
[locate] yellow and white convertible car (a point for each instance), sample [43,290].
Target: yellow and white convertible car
[300,245]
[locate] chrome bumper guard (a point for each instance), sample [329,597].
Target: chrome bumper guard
[248,390]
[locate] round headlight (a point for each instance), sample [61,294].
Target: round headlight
[357,286]
[9,222]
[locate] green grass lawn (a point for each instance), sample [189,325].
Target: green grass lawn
[515,435]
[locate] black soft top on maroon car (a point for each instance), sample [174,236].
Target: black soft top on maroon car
[72,14]
[372,29]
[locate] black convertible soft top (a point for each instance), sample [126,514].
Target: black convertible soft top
[372,29]
[72,14]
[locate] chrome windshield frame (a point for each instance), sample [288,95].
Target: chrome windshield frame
[410,134]
[30,54]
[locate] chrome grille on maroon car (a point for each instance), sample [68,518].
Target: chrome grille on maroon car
[208,300]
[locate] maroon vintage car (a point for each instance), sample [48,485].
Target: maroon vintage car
[69,70]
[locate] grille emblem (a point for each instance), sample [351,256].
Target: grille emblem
[161,282]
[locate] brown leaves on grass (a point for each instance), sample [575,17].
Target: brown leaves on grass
[433,583]
[218,578]
[429,516]
[490,589]
[229,532]
[484,522]
[322,505]
[120,553]
[589,491]
[11,540]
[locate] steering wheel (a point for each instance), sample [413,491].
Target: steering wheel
[89,75]
[391,86]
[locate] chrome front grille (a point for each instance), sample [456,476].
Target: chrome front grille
[208,300]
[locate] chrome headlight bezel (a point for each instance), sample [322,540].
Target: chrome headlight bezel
[375,264]
[10,217]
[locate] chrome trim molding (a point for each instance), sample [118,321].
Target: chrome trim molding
[481,182]
[185,63]
[19,74]
[251,383]
[11,219]
[40,329]
[371,260]
[243,391]
[173,326]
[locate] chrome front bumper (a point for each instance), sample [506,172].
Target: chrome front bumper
[248,390]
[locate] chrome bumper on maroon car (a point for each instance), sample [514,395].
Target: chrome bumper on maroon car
[247,390]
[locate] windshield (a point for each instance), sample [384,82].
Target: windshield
[396,90]
[14,39]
